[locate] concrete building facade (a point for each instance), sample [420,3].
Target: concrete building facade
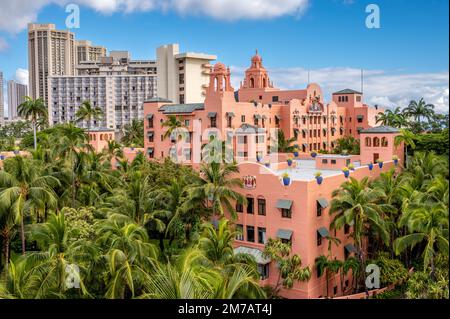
[182,77]
[86,51]
[16,96]
[2,103]
[50,52]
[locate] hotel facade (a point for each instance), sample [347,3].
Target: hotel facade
[293,208]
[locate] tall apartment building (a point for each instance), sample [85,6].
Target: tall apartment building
[2,112]
[86,51]
[182,77]
[16,96]
[116,84]
[50,52]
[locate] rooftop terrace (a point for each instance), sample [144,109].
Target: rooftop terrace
[305,170]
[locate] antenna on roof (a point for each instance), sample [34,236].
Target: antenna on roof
[362,81]
[308,77]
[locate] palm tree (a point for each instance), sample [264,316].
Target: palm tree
[427,223]
[283,145]
[24,190]
[173,124]
[322,266]
[357,205]
[7,224]
[130,257]
[215,187]
[134,134]
[72,140]
[33,109]
[51,263]
[393,118]
[87,112]
[420,110]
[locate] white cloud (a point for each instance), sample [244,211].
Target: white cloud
[3,44]
[14,15]
[21,76]
[387,89]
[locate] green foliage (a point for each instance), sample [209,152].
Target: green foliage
[347,145]
[422,286]
[133,134]
[391,270]
[290,266]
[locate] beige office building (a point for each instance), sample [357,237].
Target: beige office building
[2,106]
[182,77]
[50,52]
[86,51]
[16,96]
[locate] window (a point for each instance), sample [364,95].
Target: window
[346,229]
[259,139]
[347,283]
[261,235]
[376,142]
[263,271]
[319,209]
[261,206]
[346,253]
[150,137]
[324,161]
[286,213]
[229,121]
[260,97]
[242,139]
[368,141]
[250,205]
[243,118]
[239,208]
[275,98]
[277,120]
[384,142]
[251,234]
[213,121]
[335,290]
[319,238]
[239,232]
[181,98]
[358,98]
[187,123]
[333,161]
[360,119]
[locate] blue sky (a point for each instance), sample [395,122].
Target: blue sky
[404,59]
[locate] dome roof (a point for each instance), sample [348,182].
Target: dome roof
[256,57]
[219,67]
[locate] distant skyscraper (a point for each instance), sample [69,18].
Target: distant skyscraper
[182,77]
[16,95]
[116,83]
[50,52]
[88,52]
[2,103]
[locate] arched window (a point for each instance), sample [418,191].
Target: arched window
[376,142]
[384,142]
[264,82]
[110,136]
[101,137]
[216,84]
[252,82]
[368,141]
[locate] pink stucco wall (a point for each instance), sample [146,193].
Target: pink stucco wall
[304,222]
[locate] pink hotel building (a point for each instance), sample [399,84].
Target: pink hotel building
[296,213]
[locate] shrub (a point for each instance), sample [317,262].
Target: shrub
[391,270]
